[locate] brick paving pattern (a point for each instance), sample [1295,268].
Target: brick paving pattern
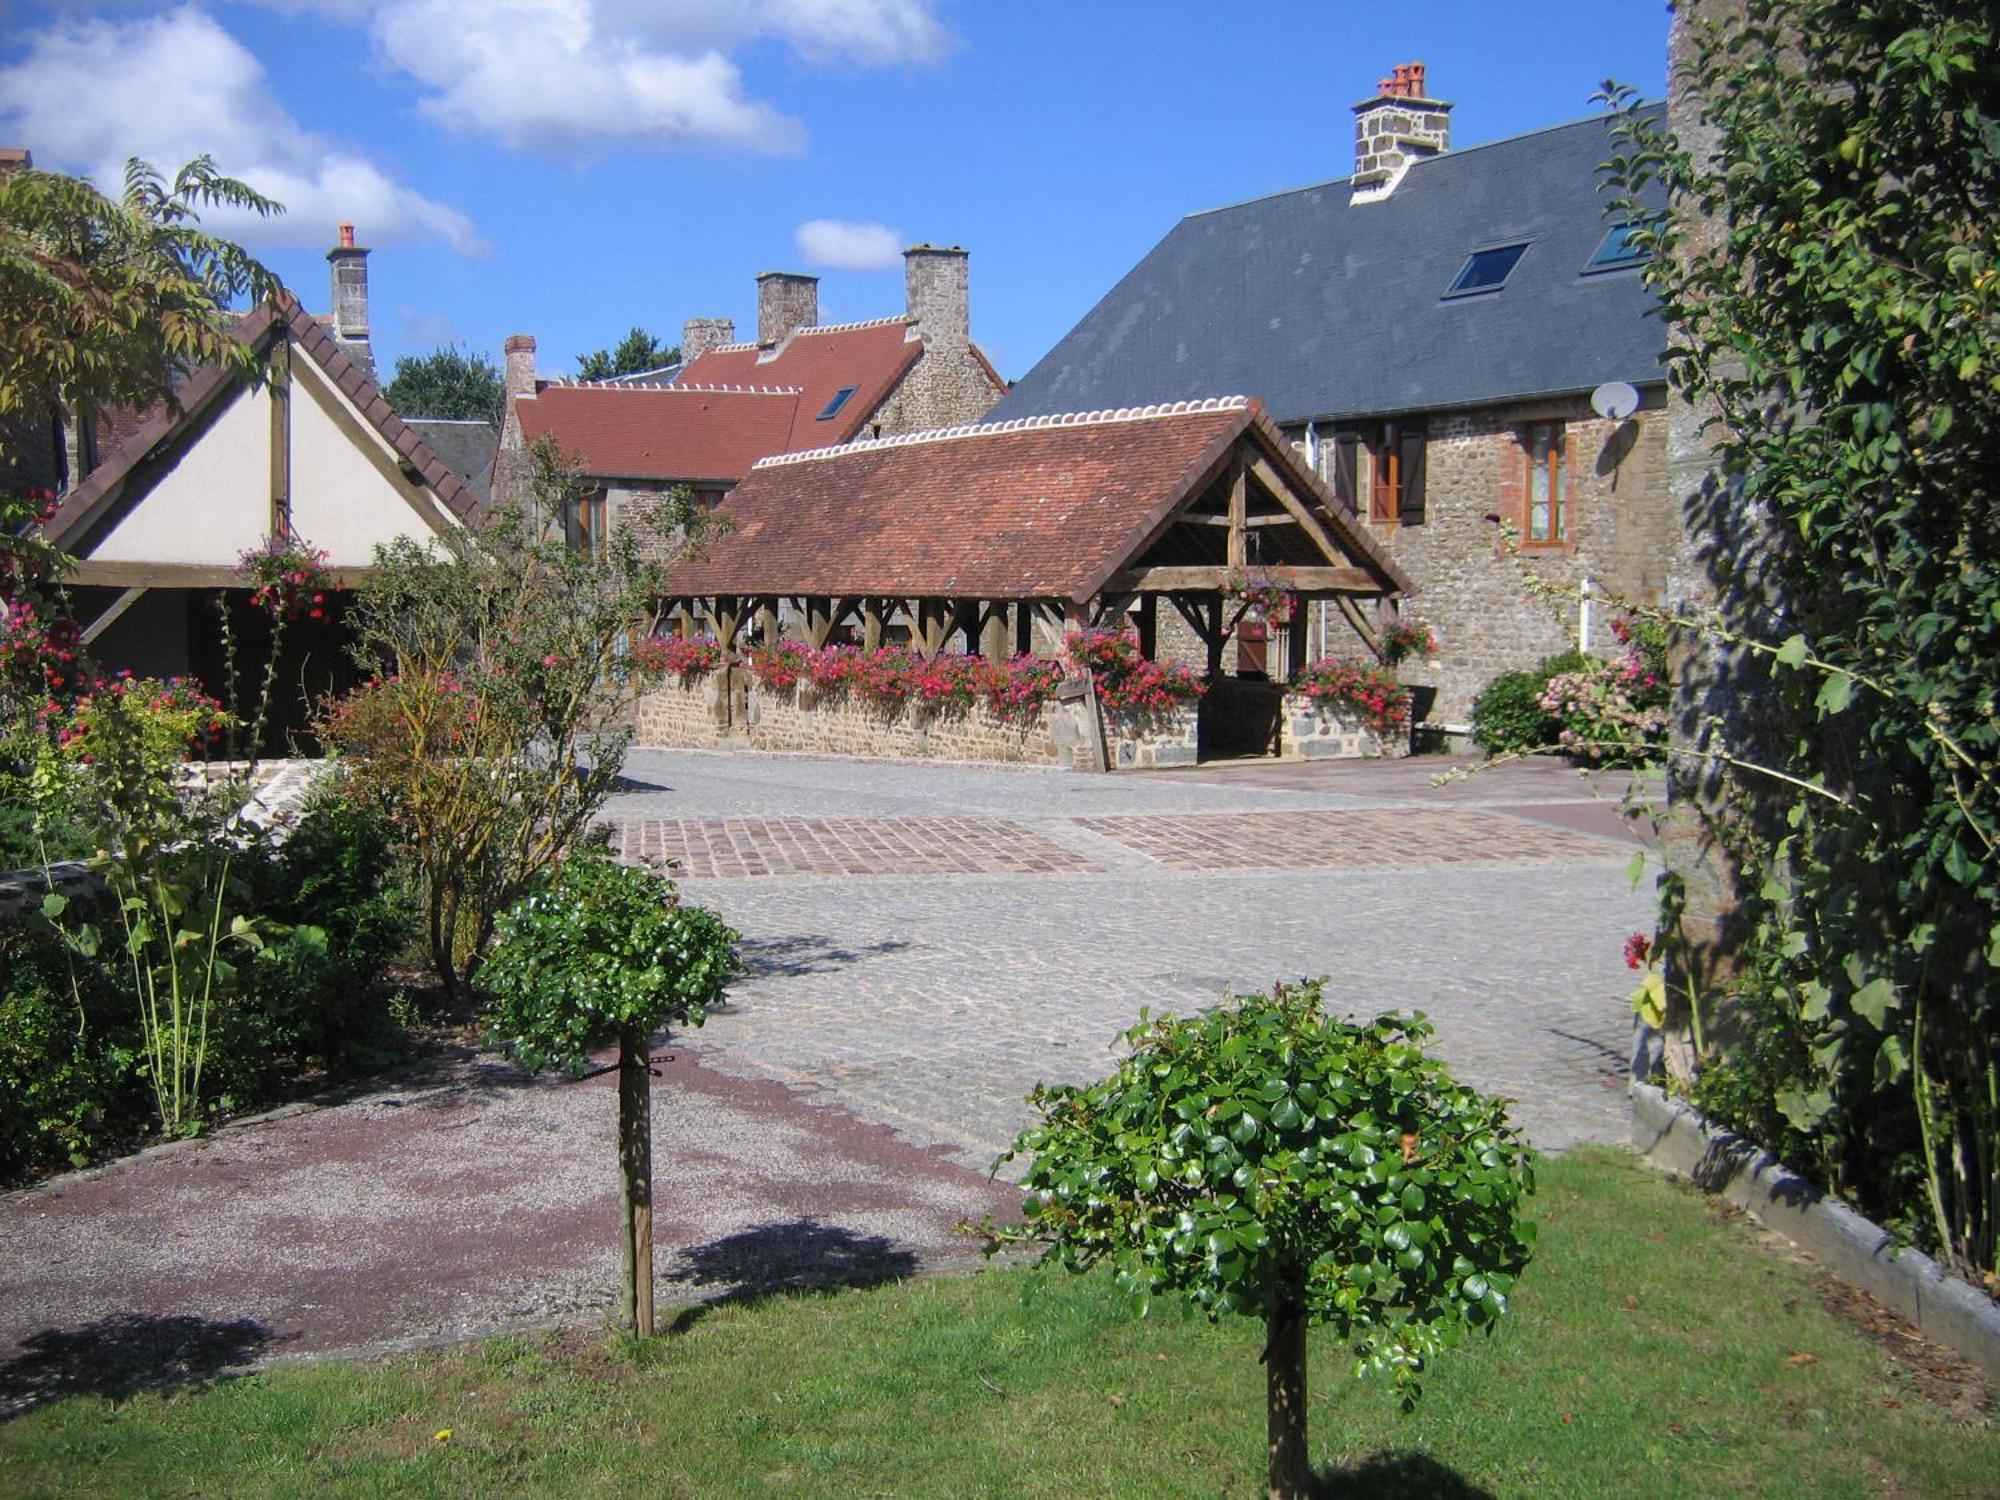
[1333,840]
[723,848]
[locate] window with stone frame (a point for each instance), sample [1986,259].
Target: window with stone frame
[1546,497]
[1385,462]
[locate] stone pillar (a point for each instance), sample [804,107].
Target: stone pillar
[786,302]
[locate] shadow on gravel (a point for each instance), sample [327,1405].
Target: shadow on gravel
[122,1355]
[807,953]
[1395,1475]
[801,1255]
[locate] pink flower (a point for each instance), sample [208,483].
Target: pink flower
[549,660]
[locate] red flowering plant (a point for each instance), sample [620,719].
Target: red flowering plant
[1359,688]
[1127,680]
[951,680]
[1405,639]
[781,667]
[1023,686]
[288,579]
[662,656]
[1264,597]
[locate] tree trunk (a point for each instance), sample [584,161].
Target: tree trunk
[635,1165]
[1285,1386]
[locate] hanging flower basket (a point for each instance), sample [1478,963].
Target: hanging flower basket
[1263,597]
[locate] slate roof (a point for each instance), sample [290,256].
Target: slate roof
[464,446]
[1048,508]
[818,362]
[662,432]
[1325,308]
[97,498]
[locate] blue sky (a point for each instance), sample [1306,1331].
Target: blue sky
[568,168]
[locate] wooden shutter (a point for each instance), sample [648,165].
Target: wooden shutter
[1410,506]
[1346,467]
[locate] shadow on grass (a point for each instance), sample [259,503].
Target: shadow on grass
[1395,1475]
[807,953]
[122,1355]
[801,1255]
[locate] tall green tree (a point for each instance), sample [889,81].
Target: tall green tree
[1832,269]
[450,383]
[111,301]
[638,351]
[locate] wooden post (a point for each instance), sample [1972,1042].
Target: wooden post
[1149,626]
[1024,627]
[281,438]
[767,622]
[635,1164]
[1239,509]
[1214,636]
[871,624]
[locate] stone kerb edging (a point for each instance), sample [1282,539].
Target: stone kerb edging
[23,890]
[1670,1134]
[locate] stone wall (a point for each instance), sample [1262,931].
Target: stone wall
[730,710]
[1313,731]
[947,387]
[1621,534]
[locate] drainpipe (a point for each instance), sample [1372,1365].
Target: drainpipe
[1583,614]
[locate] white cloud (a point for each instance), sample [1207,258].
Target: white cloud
[168,87]
[847,246]
[559,72]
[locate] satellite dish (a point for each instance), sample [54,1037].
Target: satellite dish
[1615,400]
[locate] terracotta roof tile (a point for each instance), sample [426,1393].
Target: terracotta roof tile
[819,363]
[1009,511]
[679,432]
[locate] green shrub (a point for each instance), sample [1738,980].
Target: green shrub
[1508,717]
[70,1087]
[336,912]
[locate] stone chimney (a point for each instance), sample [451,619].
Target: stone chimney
[935,282]
[520,376]
[350,299]
[15,159]
[786,302]
[699,335]
[1401,124]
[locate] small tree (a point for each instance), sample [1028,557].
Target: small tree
[637,352]
[449,383]
[598,952]
[1265,1158]
[492,730]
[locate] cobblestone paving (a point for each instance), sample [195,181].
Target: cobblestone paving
[933,1002]
[721,847]
[1309,839]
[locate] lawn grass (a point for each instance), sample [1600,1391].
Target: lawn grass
[1656,1347]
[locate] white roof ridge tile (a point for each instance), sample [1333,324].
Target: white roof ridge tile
[564,382]
[858,323]
[1016,424]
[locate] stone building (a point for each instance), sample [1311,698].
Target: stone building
[1429,332]
[798,385]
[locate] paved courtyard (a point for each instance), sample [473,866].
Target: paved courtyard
[925,943]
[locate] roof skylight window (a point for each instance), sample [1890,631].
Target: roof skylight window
[840,399]
[1486,270]
[1617,249]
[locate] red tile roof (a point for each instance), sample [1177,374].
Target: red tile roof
[819,363]
[681,432]
[1044,508]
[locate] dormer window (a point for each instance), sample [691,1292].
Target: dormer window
[840,398]
[1617,249]
[1486,270]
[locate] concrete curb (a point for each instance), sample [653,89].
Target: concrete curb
[1674,1136]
